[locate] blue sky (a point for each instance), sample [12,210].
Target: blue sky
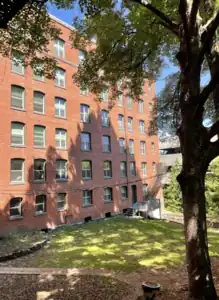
[68,15]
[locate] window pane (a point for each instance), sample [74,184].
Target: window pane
[17,170]
[16,207]
[105,118]
[40,205]
[61,139]
[86,169]
[106,144]
[61,170]
[37,72]
[39,170]
[107,194]
[39,136]
[17,134]
[123,169]
[85,111]
[87,198]
[59,48]
[85,142]
[129,102]
[120,100]
[17,97]
[60,108]
[124,192]
[61,201]
[17,65]
[38,102]
[122,145]
[104,95]
[60,78]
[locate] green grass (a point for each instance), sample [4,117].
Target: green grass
[119,244]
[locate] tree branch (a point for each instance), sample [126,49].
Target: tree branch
[213,151]
[209,88]
[213,130]
[208,32]
[166,20]
[194,12]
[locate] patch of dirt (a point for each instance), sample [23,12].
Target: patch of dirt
[59,287]
[19,241]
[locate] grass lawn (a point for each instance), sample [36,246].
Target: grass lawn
[118,244]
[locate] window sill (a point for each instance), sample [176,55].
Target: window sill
[36,147]
[39,113]
[18,109]
[62,180]
[87,205]
[18,146]
[108,177]
[106,202]
[39,181]
[62,209]
[21,74]
[62,118]
[106,151]
[40,214]
[63,149]
[39,80]
[17,183]
[123,176]
[61,87]
[105,126]
[86,179]
[12,218]
[124,199]
[83,122]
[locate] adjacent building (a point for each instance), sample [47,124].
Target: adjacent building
[64,156]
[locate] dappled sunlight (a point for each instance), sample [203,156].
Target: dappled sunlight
[118,244]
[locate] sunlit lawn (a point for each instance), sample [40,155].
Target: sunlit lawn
[118,244]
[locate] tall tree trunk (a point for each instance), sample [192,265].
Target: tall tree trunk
[192,182]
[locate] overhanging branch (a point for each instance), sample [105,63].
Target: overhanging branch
[164,18]
[194,12]
[213,151]
[214,130]
[209,88]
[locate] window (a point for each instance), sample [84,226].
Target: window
[131,147]
[85,113]
[16,207]
[17,97]
[38,72]
[17,170]
[154,167]
[38,102]
[17,134]
[123,169]
[124,192]
[122,145]
[60,107]
[39,136]
[141,106]
[87,198]
[84,90]
[141,126]
[39,170]
[59,48]
[107,169]
[60,78]
[145,190]
[40,204]
[108,195]
[61,139]
[120,99]
[81,56]
[132,168]
[85,141]
[142,147]
[17,63]
[130,123]
[61,169]
[106,143]
[86,169]
[144,169]
[105,118]
[129,102]
[150,107]
[104,94]
[61,201]
[152,146]
[121,122]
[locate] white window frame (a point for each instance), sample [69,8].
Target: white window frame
[61,138]
[16,63]
[104,95]
[60,106]
[38,76]
[42,203]
[16,207]
[131,147]
[129,102]
[87,198]
[18,98]
[123,169]
[107,169]
[130,124]
[86,145]
[84,91]
[123,147]
[120,100]
[106,147]
[145,190]
[63,170]
[63,201]
[43,102]
[142,126]
[108,194]
[59,48]
[21,181]
[43,136]
[18,135]
[142,148]
[60,78]
[85,113]
[140,106]
[38,171]
[105,120]
[124,192]
[144,169]
[132,168]
[86,172]
[121,122]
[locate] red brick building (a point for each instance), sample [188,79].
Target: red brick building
[63,154]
